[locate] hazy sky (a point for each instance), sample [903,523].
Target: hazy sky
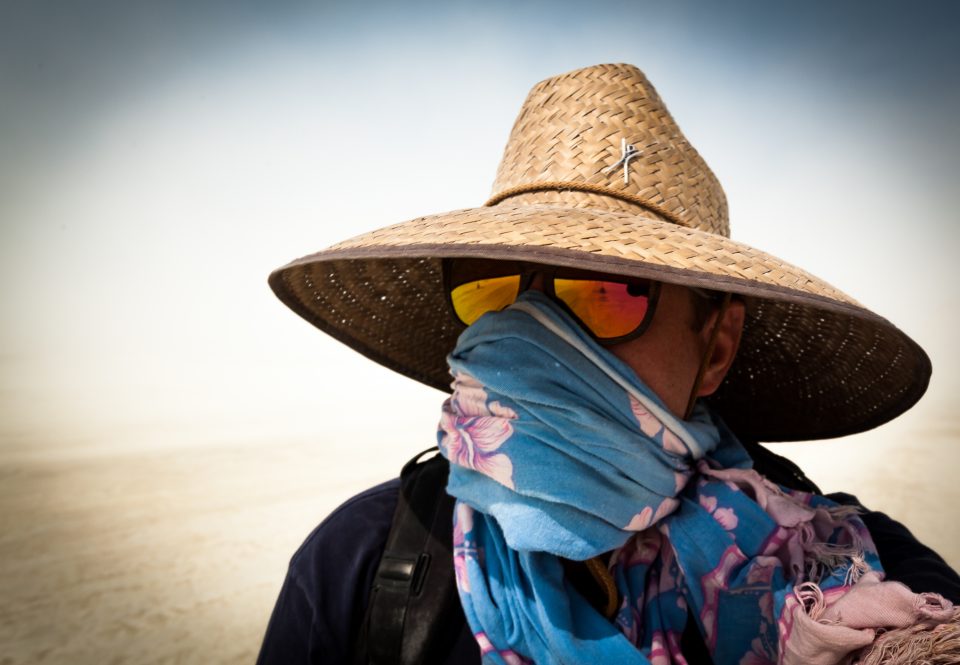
[157,160]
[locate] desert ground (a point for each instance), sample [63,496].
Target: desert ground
[157,556]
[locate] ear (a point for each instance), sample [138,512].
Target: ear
[725,347]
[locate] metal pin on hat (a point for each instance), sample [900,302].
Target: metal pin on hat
[627,152]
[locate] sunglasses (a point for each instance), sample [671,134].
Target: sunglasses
[612,308]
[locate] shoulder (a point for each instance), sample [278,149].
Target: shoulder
[904,558]
[358,525]
[324,595]
[335,565]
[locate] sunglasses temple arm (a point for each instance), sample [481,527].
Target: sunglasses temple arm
[692,401]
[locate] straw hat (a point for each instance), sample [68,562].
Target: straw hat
[597,175]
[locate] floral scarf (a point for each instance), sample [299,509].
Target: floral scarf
[557,449]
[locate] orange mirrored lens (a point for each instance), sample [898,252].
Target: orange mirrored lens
[606,308]
[474,299]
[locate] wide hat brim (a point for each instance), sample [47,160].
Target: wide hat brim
[812,364]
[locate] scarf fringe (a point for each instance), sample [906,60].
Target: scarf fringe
[842,513]
[821,559]
[921,644]
[811,599]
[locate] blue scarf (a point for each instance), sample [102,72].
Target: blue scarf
[557,449]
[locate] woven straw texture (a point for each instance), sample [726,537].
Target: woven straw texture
[812,364]
[571,129]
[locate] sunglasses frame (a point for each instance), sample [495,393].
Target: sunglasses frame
[527,271]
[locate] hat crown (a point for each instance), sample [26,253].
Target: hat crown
[601,137]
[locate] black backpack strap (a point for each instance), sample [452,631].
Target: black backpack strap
[414,613]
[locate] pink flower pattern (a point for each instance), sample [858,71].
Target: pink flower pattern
[641,550]
[761,569]
[509,657]
[462,524]
[474,430]
[724,516]
[652,426]
[712,584]
[648,516]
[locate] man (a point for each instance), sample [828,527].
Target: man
[615,357]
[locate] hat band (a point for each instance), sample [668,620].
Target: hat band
[583,187]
